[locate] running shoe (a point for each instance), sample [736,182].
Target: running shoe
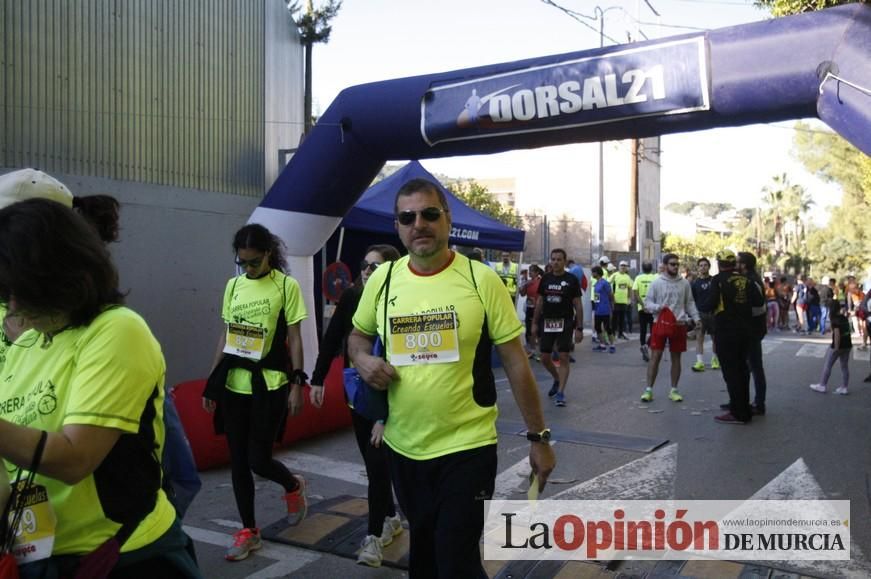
[612,349]
[675,396]
[715,363]
[392,528]
[728,418]
[644,354]
[867,378]
[297,506]
[818,388]
[699,366]
[600,348]
[244,542]
[370,551]
[553,389]
[757,409]
[647,396]
[841,390]
[572,359]
[560,399]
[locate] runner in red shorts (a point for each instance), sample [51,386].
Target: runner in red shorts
[670,301]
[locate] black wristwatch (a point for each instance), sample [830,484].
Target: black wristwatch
[543,436]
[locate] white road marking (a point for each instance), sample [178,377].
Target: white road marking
[514,479]
[352,472]
[813,350]
[289,559]
[650,477]
[769,346]
[797,482]
[227,523]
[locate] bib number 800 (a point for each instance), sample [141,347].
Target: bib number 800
[421,341]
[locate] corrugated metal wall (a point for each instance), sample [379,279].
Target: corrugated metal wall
[159,91]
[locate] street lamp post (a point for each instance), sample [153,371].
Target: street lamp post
[600,242]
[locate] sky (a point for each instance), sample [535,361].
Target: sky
[376,40]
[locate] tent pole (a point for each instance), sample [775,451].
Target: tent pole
[341,240]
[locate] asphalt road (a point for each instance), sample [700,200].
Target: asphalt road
[809,445]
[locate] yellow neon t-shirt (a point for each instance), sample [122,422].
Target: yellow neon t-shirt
[258,302]
[641,285]
[622,283]
[432,408]
[109,374]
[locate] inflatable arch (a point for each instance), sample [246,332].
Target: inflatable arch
[814,64]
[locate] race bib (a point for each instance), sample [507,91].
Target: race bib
[34,537]
[554,326]
[246,341]
[424,339]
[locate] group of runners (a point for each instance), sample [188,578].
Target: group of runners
[735,308]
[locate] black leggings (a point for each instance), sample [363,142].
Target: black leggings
[645,321]
[380,492]
[250,439]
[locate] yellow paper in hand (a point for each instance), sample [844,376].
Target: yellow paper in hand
[532,493]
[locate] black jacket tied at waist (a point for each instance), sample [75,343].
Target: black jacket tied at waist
[277,359]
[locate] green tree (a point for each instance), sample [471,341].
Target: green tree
[689,250]
[787,7]
[843,245]
[313,26]
[479,198]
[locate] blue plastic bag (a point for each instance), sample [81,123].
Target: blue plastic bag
[366,400]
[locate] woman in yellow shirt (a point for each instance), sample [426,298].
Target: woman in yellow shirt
[73,389]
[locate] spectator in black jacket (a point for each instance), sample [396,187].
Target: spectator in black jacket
[384,523]
[747,266]
[732,300]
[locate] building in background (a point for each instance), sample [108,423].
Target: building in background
[184,111]
[567,216]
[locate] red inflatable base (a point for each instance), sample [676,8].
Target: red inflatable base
[210,450]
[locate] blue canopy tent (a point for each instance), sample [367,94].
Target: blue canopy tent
[374,213]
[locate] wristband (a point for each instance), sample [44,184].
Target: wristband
[298,377]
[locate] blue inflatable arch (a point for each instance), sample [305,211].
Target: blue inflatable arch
[809,65]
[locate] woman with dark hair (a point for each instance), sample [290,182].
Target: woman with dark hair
[384,523]
[258,376]
[92,408]
[99,210]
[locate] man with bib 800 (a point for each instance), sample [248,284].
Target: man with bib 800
[438,314]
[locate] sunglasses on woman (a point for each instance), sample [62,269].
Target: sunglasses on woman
[430,214]
[364,265]
[255,263]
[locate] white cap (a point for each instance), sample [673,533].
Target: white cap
[604,259]
[626,263]
[611,267]
[28,184]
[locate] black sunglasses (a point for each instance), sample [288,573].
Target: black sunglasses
[430,214]
[364,265]
[255,263]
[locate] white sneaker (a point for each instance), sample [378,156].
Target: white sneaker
[370,551]
[392,528]
[818,388]
[841,390]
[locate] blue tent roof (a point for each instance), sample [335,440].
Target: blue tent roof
[374,212]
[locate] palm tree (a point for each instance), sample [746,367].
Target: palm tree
[788,203]
[314,26]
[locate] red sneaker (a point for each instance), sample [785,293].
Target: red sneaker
[297,506]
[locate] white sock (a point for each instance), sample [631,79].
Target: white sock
[699,358]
